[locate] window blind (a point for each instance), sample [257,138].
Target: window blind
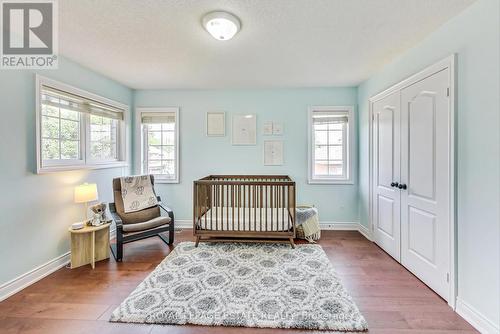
[64,100]
[329,117]
[157,117]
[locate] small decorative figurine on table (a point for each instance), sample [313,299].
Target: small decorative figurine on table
[99,216]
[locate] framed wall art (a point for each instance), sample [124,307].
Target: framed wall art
[244,130]
[216,124]
[273,152]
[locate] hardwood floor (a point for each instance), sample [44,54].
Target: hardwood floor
[81,300]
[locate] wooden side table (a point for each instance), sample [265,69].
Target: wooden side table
[89,244]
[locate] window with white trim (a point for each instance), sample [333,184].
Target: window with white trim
[331,133]
[160,143]
[76,129]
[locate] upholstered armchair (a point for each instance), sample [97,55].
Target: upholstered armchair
[133,226]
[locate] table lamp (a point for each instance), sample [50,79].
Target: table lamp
[86,193]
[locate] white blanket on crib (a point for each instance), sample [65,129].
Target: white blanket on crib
[250,219]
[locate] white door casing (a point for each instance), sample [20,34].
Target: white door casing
[386,164]
[425,119]
[427,173]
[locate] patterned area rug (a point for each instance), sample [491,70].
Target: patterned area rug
[237,284]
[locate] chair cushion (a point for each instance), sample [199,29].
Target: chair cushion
[152,223]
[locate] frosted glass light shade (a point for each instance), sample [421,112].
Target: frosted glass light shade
[86,192]
[221,25]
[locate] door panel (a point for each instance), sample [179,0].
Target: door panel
[421,234]
[385,207]
[425,133]
[386,139]
[422,133]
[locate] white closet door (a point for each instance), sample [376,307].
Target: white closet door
[425,203]
[386,154]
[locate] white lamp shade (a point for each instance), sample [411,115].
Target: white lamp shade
[86,192]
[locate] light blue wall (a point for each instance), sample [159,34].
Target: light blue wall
[201,155]
[474,36]
[36,210]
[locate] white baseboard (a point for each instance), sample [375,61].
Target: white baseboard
[475,318]
[346,226]
[32,276]
[183,223]
[365,231]
[338,226]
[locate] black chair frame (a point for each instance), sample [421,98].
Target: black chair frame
[121,238]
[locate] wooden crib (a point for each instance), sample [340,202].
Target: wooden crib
[244,208]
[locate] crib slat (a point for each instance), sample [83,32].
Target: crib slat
[205,206]
[272,206]
[277,208]
[255,208]
[232,207]
[222,207]
[211,205]
[283,207]
[217,207]
[243,206]
[197,207]
[226,206]
[266,206]
[249,205]
[260,206]
[240,198]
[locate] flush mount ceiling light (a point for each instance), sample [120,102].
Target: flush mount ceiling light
[221,25]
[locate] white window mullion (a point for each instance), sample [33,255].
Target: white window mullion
[328,150]
[145,150]
[85,135]
[59,136]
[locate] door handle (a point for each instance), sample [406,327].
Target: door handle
[402,186]
[394,184]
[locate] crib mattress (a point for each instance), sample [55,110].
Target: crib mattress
[250,219]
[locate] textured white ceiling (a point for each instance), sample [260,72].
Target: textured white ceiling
[158,44]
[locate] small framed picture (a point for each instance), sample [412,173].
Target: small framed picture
[277,128]
[273,152]
[268,128]
[216,124]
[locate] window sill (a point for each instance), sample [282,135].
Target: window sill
[316,181]
[165,181]
[55,169]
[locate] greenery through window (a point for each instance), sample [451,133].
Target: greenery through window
[103,138]
[60,133]
[77,129]
[161,149]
